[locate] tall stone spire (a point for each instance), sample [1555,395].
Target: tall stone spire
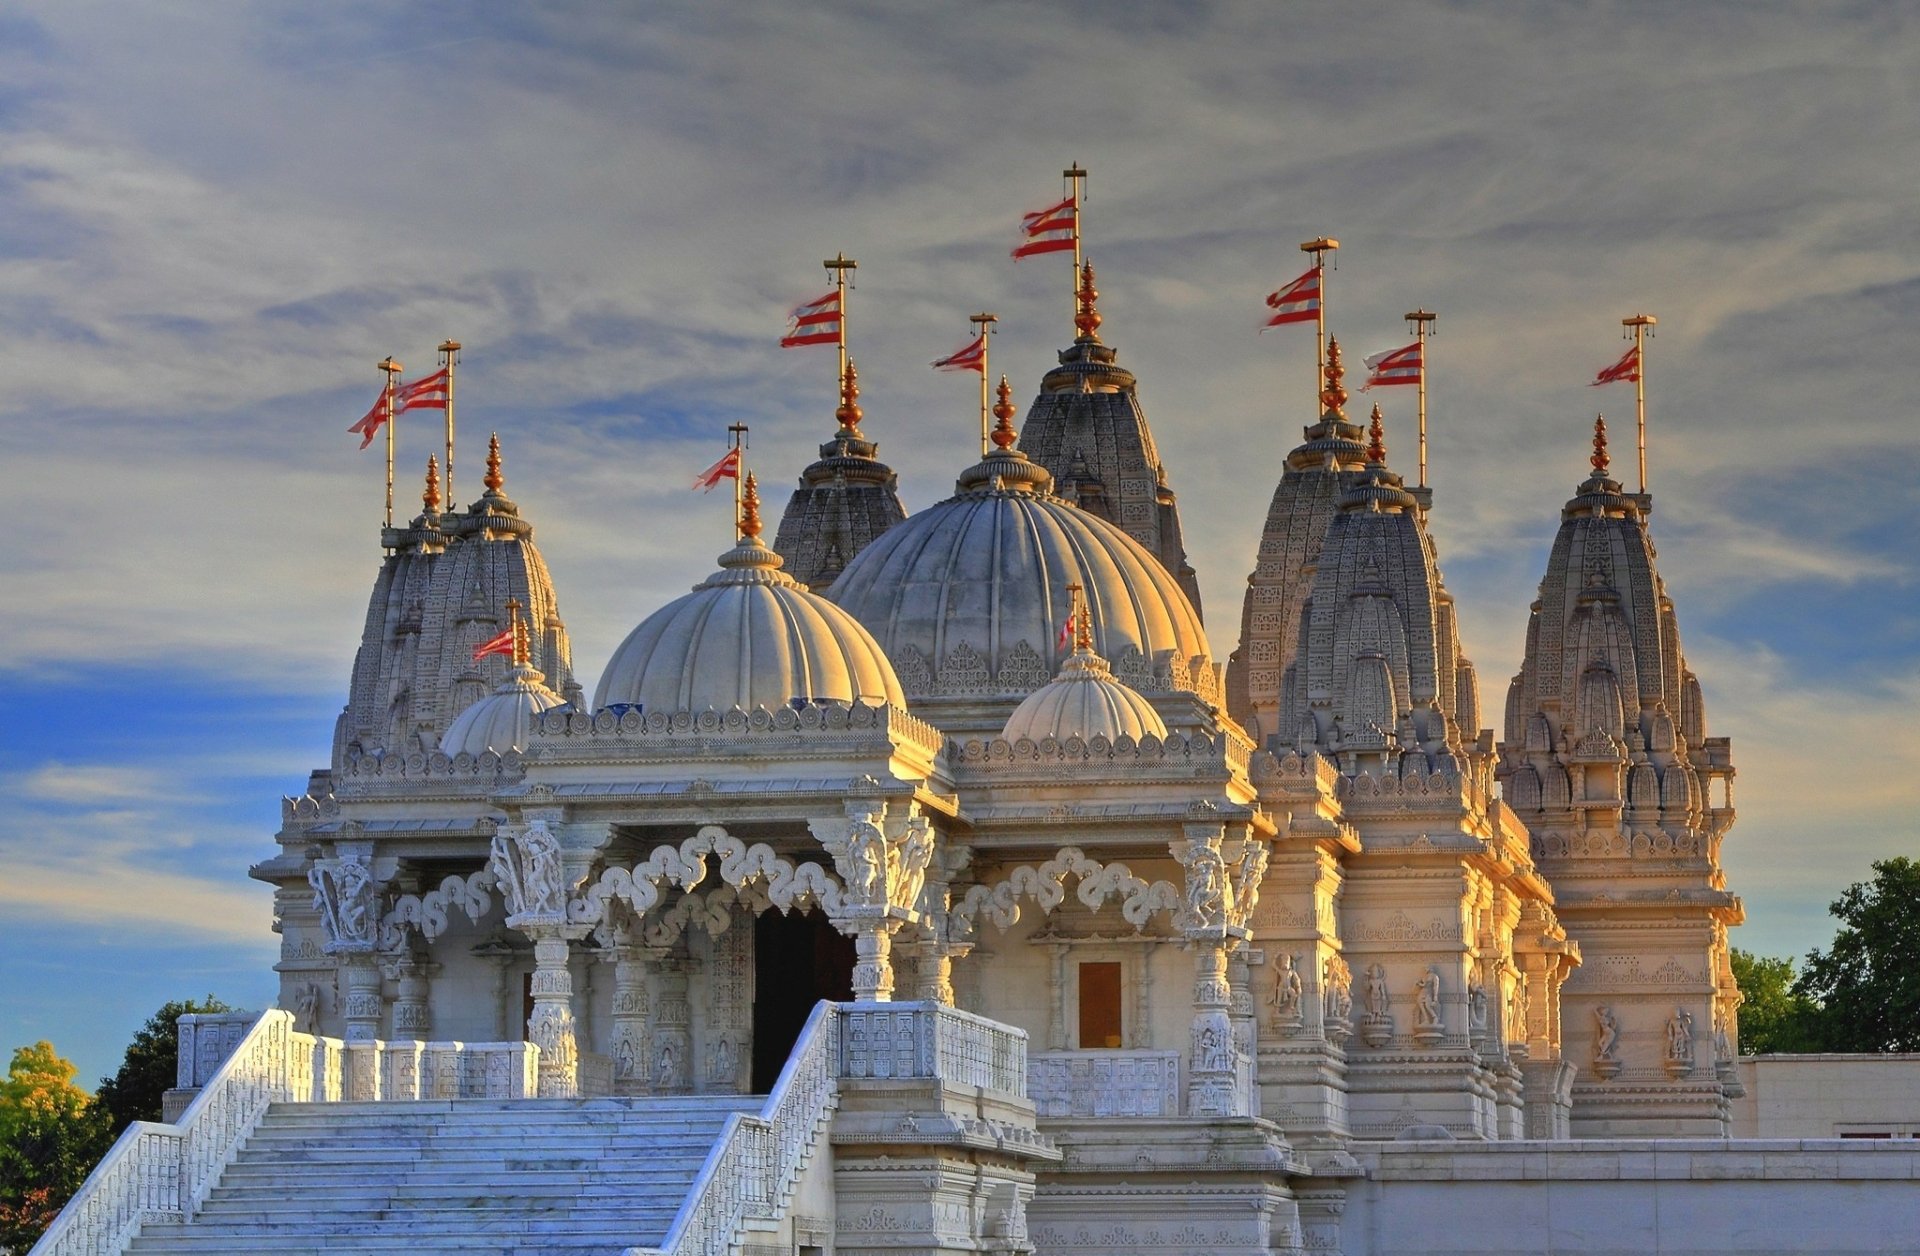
[1088,430]
[1318,471]
[1607,761]
[439,593]
[843,501]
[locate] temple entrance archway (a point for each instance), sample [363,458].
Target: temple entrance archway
[799,958]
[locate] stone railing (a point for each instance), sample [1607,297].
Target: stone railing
[1105,1083]
[162,1173]
[756,1164]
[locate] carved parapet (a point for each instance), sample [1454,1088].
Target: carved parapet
[306,810]
[361,770]
[1184,751]
[633,731]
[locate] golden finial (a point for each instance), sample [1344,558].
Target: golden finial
[1333,398]
[1088,320]
[1599,459]
[522,647]
[849,412]
[431,497]
[1376,437]
[494,480]
[1082,627]
[1003,433]
[750,508]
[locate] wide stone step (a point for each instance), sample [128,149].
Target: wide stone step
[152,1243]
[466,1151]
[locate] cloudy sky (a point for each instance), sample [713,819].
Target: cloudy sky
[218,216]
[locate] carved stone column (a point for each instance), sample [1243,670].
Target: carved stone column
[632,1005]
[1210,1085]
[873,954]
[670,1036]
[552,1027]
[1241,1009]
[361,980]
[881,852]
[412,975]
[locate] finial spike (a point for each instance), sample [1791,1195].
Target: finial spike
[522,647]
[1600,459]
[493,479]
[431,497]
[1333,398]
[1088,318]
[1082,625]
[850,412]
[1376,437]
[1003,433]
[750,508]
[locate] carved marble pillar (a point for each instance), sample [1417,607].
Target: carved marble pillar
[873,958]
[632,1006]
[412,976]
[1059,1038]
[552,1027]
[669,1036]
[360,977]
[1210,1084]
[1240,983]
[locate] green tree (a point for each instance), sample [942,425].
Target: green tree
[149,1068]
[51,1136]
[1868,982]
[1774,1017]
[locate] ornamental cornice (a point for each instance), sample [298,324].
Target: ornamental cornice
[575,736]
[1123,755]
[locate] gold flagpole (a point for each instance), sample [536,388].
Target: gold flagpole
[737,439]
[1419,322]
[840,264]
[1075,176]
[450,354]
[1317,250]
[1642,325]
[393,369]
[981,323]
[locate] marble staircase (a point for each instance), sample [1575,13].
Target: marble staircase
[464,1175]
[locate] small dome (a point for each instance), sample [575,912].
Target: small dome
[1084,701]
[502,720]
[749,636]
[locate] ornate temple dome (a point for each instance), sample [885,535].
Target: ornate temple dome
[748,636]
[1084,701]
[968,596]
[842,502]
[502,720]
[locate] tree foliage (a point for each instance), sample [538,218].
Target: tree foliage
[149,1069]
[1868,982]
[51,1136]
[1774,1016]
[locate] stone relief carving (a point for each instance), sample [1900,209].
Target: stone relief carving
[343,894]
[1680,1042]
[1288,990]
[1250,872]
[1046,885]
[1477,1005]
[1337,996]
[1606,1038]
[1379,999]
[1206,886]
[786,885]
[526,865]
[1426,1001]
[429,913]
[306,1008]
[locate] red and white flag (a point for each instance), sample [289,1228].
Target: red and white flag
[1627,368]
[1051,230]
[1396,366]
[815,323]
[1067,630]
[1298,302]
[369,426]
[502,644]
[972,357]
[728,468]
[428,393]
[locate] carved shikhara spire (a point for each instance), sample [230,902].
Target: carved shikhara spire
[1333,398]
[849,412]
[1600,459]
[750,507]
[1003,433]
[493,479]
[1087,319]
[430,497]
[1376,438]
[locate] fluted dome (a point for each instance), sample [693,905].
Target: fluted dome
[749,636]
[501,721]
[968,596]
[1084,701]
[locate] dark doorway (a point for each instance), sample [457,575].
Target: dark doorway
[799,959]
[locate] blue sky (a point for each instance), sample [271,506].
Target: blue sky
[219,216]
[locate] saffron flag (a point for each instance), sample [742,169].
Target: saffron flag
[973,357]
[502,644]
[1298,302]
[1627,368]
[1051,230]
[1396,366]
[428,393]
[815,323]
[728,468]
[369,426]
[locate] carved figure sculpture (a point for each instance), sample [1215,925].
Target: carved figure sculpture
[1378,999]
[1339,989]
[1680,1038]
[1252,870]
[1426,1004]
[306,1008]
[1206,886]
[528,868]
[1477,1005]
[1517,1029]
[866,858]
[666,1067]
[1287,990]
[914,854]
[1606,1033]
[343,895]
